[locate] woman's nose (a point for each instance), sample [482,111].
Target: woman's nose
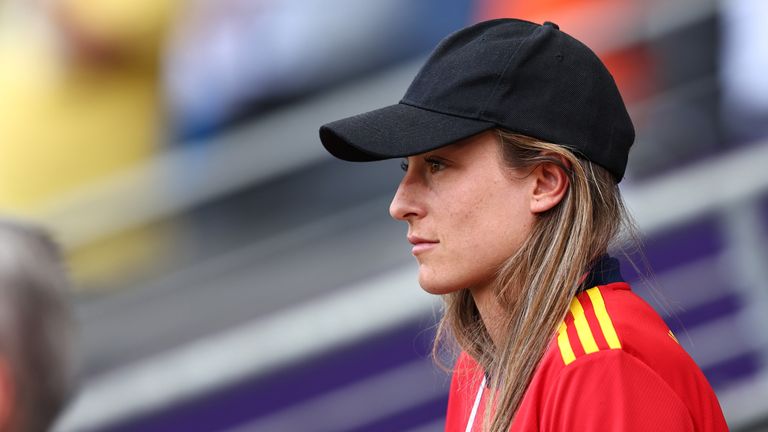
[405,204]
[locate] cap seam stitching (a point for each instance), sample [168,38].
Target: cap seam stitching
[483,112]
[476,118]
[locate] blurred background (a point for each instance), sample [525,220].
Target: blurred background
[232,276]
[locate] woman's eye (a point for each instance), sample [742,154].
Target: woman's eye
[404,165]
[435,165]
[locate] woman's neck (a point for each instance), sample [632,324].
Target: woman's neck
[491,312]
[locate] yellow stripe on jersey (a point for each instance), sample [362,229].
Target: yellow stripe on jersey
[582,327]
[606,325]
[565,345]
[672,335]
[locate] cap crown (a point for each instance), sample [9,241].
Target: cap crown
[530,79]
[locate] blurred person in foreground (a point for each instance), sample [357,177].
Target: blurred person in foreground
[515,138]
[35,329]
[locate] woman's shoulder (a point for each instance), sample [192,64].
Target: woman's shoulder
[614,343]
[611,317]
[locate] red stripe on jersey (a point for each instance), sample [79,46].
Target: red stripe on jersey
[594,324]
[573,336]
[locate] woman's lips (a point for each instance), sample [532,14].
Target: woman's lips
[421,245]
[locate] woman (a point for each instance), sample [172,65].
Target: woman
[515,138]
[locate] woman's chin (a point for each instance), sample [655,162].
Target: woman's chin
[437,287]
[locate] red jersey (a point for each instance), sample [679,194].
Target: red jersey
[613,365]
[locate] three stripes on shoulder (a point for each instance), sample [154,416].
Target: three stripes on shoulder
[605,331]
[590,324]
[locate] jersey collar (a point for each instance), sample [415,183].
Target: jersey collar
[604,271]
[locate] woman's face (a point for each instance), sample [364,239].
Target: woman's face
[466,212]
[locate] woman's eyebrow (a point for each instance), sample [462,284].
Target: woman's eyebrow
[447,151]
[438,155]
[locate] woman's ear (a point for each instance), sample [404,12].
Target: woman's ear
[550,184]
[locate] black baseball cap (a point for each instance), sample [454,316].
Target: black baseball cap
[506,73]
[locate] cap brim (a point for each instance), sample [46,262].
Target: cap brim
[395,131]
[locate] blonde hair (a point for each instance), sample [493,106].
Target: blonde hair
[535,286]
